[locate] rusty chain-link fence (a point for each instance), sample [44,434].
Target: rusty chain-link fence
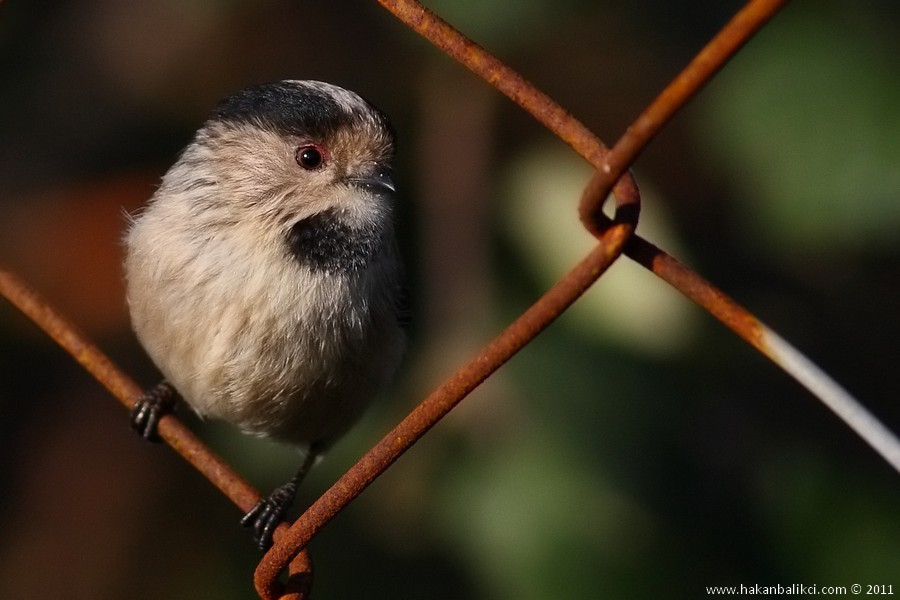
[615,237]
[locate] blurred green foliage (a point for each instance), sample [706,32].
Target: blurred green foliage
[806,124]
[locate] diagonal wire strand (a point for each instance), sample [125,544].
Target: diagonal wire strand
[700,70]
[126,391]
[830,393]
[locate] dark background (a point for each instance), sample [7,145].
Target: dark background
[636,449]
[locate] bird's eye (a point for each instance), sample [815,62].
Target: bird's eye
[310,157]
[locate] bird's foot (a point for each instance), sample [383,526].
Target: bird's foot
[268,513]
[150,407]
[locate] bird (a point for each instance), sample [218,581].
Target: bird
[263,277]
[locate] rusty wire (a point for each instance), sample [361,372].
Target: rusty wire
[124,389]
[612,235]
[615,237]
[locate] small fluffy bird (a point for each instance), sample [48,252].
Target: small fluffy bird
[263,276]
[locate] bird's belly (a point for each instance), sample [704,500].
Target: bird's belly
[300,367]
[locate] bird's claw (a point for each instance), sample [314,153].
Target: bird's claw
[268,513]
[150,408]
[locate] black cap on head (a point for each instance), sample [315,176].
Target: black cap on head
[304,108]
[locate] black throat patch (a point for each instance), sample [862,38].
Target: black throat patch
[325,242]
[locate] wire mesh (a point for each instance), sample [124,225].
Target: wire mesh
[615,237]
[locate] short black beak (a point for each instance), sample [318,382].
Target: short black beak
[378,181]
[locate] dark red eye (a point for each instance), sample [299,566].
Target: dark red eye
[310,157]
